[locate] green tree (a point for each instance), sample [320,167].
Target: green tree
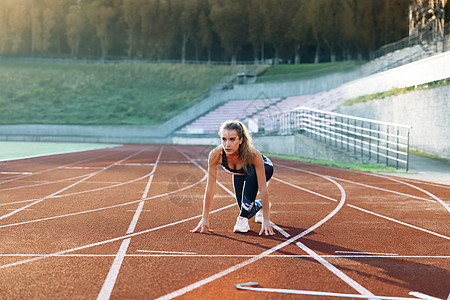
[231,24]
[101,15]
[130,15]
[18,21]
[298,31]
[256,29]
[205,33]
[75,24]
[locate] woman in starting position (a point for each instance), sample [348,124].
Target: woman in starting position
[251,170]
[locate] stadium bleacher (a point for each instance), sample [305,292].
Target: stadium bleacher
[259,108]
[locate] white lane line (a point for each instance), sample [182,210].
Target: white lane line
[106,207]
[52,169]
[249,286]
[400,222]
[110,281]
[417,188]
[137,164]
[368,211]
[359,288]
[55,254]
[149,253]
[167,252]
[366,253]
[66,188]
[384,190]
[108,285]
[423,296]
[15,173]
[83,168]
[216,276]
[365,185]
[40,184]
[303,189]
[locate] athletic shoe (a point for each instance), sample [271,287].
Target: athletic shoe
[241,225]
[259,215]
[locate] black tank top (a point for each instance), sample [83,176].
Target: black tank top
[227,168]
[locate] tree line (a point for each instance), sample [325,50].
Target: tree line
[231,30]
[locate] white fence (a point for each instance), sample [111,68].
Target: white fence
[383,142]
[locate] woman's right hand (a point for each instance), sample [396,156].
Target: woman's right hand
[203,226]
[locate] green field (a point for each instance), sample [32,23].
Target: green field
[101,94]
[16,150]
[80,93]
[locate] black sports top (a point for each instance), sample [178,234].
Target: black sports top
[227,168]
[241,171]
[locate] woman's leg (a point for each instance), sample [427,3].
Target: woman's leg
[238,184]
[246,189]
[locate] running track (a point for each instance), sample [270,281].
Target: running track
[114,224]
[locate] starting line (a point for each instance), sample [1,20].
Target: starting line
[250,287]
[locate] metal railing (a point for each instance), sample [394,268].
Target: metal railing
[383,142]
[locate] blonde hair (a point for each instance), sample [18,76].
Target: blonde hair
[245,149]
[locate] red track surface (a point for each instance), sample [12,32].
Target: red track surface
[115,223]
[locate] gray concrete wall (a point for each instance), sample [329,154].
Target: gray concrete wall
[427,111]
[298,145]
[426,70]
[88,134]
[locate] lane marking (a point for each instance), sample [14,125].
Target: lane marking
[193,254]
[366,253]
[105,207]
[400,222]
[168,252]
[369,212]
[106,290]
[16,173]
[447,207]
[108,285]
[249,286]
[67,187]
[356,286]
[83,168]
[55,254]
[337,272]
[55,168]
[384,190]
[138,164]
[40,184]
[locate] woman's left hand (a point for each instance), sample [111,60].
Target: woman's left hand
[266,227]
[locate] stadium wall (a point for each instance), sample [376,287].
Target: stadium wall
[427,111]
[423,71]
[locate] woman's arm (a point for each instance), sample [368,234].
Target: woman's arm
[262,186]
[213,160]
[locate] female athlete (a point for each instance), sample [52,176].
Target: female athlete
[250,169]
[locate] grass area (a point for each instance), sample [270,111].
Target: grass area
[15,150]
[351,166]
[396,91]
[100,94]
[284,73]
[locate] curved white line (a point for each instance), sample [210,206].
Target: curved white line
[207,280]
[369,212]
[42,183]
[55,168]
[54,195]
[105,207]
[445,205]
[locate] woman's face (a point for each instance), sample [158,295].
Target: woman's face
[230,141]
